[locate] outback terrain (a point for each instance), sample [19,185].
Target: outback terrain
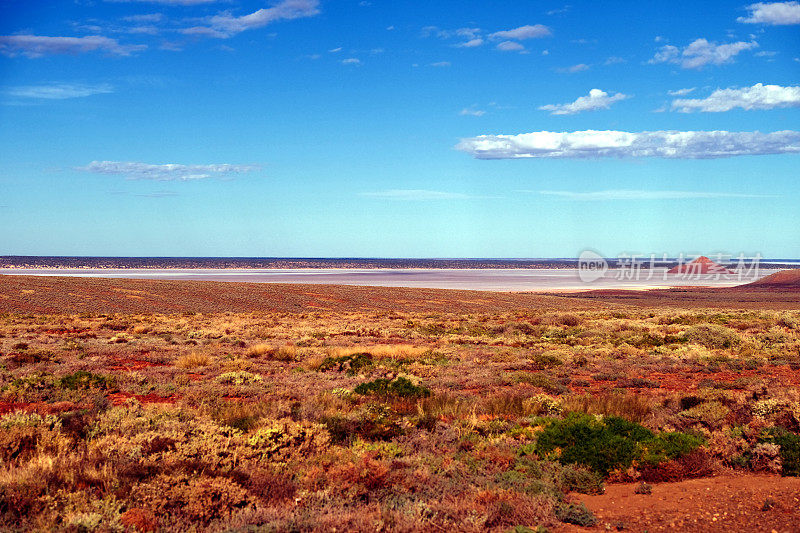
[132,405]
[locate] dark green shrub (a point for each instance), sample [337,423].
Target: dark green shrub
[600,445]
[573,513]
[351,364]
[400,387]
[790,448]
[671,445]
[81,380]
[610,443]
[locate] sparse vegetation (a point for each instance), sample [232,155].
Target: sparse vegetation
[375,419]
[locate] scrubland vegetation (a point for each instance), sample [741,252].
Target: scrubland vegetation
[381,421]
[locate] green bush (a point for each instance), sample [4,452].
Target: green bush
[81,380]
[400,387]
[609,443]
[790,448]
[712,336]
[351,364]
[573,513]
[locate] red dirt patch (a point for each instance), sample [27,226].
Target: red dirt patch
[131,365]
[118,398]
[723,503]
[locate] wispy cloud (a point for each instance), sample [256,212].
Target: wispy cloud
[226,25]
[472,112]
[440,64]
[472,37]
[681,92]
[758,96]
[596,100]
[40,45]
[58,91]
[700,53]
[416,194]
[633,194]
[164,172]
[665,144]
[522,33]
[510,46]
[773,13]
[351,61]
[580,67]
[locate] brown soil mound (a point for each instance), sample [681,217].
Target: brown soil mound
[701,265]
[785,280]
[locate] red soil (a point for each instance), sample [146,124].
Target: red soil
[118,398]
[785,280]
[701,265]
[723,503]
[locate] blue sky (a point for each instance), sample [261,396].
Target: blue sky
[397,129]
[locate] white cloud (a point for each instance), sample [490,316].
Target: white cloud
[351,61]
[226,25]
[416,194]
[149,17]
[773,13]
[681,92]
[472,112]
[440,64]
[758,96]
[632,194]
[40,45]
[510,46]
[597,99]
[666,144]
[166,172]
[335,50]
[580,67]
[700,53]
[58,91]
[614,60]
[472,43]
[523,32]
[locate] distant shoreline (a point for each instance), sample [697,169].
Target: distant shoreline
[289,263]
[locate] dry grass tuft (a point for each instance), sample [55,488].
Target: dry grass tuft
[193,360]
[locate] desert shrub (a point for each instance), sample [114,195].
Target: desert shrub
[576,478]
[399,387]
[193,360]
[601,445]
[369,427]
[351,364]
[712,336]
[277,440]
[82,380]
[643,488]
[609,444]
[239,377]
[578,514]
[670,445]
[241,415]
[261,350]
[790,448]
[711,414]
[191,499]
[23,435]
[546,360]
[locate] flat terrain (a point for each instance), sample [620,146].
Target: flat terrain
[131,405]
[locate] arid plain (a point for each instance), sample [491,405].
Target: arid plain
[138,405]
